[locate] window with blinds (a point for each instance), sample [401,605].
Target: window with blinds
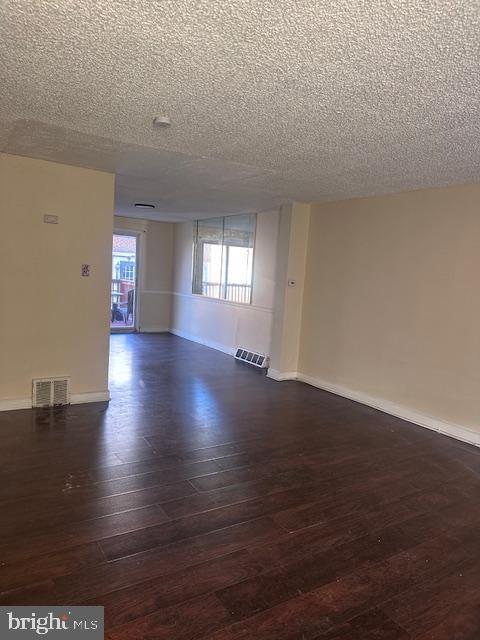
[223,257]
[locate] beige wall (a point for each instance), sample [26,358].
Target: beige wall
[53,322]
[221,324]
[392,304]
[155,274]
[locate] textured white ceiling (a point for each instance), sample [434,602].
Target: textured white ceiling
[270,100]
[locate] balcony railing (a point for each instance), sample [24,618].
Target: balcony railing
[232,292]
[120,289]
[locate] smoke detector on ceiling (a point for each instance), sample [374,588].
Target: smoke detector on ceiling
[162,121]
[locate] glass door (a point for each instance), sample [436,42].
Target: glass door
[124,280]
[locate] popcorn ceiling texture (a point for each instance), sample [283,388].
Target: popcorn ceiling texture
[270,100]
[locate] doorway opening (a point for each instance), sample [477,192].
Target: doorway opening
[124,282]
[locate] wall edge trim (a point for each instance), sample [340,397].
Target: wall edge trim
[281,376]
[12,404]
[459,432]
[90,396]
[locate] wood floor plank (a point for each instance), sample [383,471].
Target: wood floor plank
[220,518]
[109,576]
[69,509]
[309,615]
[123,470]
[78,533]
[463,624]
[142,599]
[45,567]
[193,619]
[85,488]
[426,605]
[294,577]
[373,625]
[36,594]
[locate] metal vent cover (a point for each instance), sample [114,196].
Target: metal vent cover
[50,392]
[252,357]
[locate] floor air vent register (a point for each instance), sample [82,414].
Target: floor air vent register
[50,392]
[251,357]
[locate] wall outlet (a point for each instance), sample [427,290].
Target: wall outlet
[85,270]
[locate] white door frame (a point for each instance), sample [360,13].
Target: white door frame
[138,265]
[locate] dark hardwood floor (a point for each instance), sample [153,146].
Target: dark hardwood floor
[207,501]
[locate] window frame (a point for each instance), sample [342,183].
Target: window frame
[197,265]
[127,267]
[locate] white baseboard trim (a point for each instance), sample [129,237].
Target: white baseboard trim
[154,330]
[12,404]
[456,431]
[76,398]
[206,343]
[90,396]
[280,376]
